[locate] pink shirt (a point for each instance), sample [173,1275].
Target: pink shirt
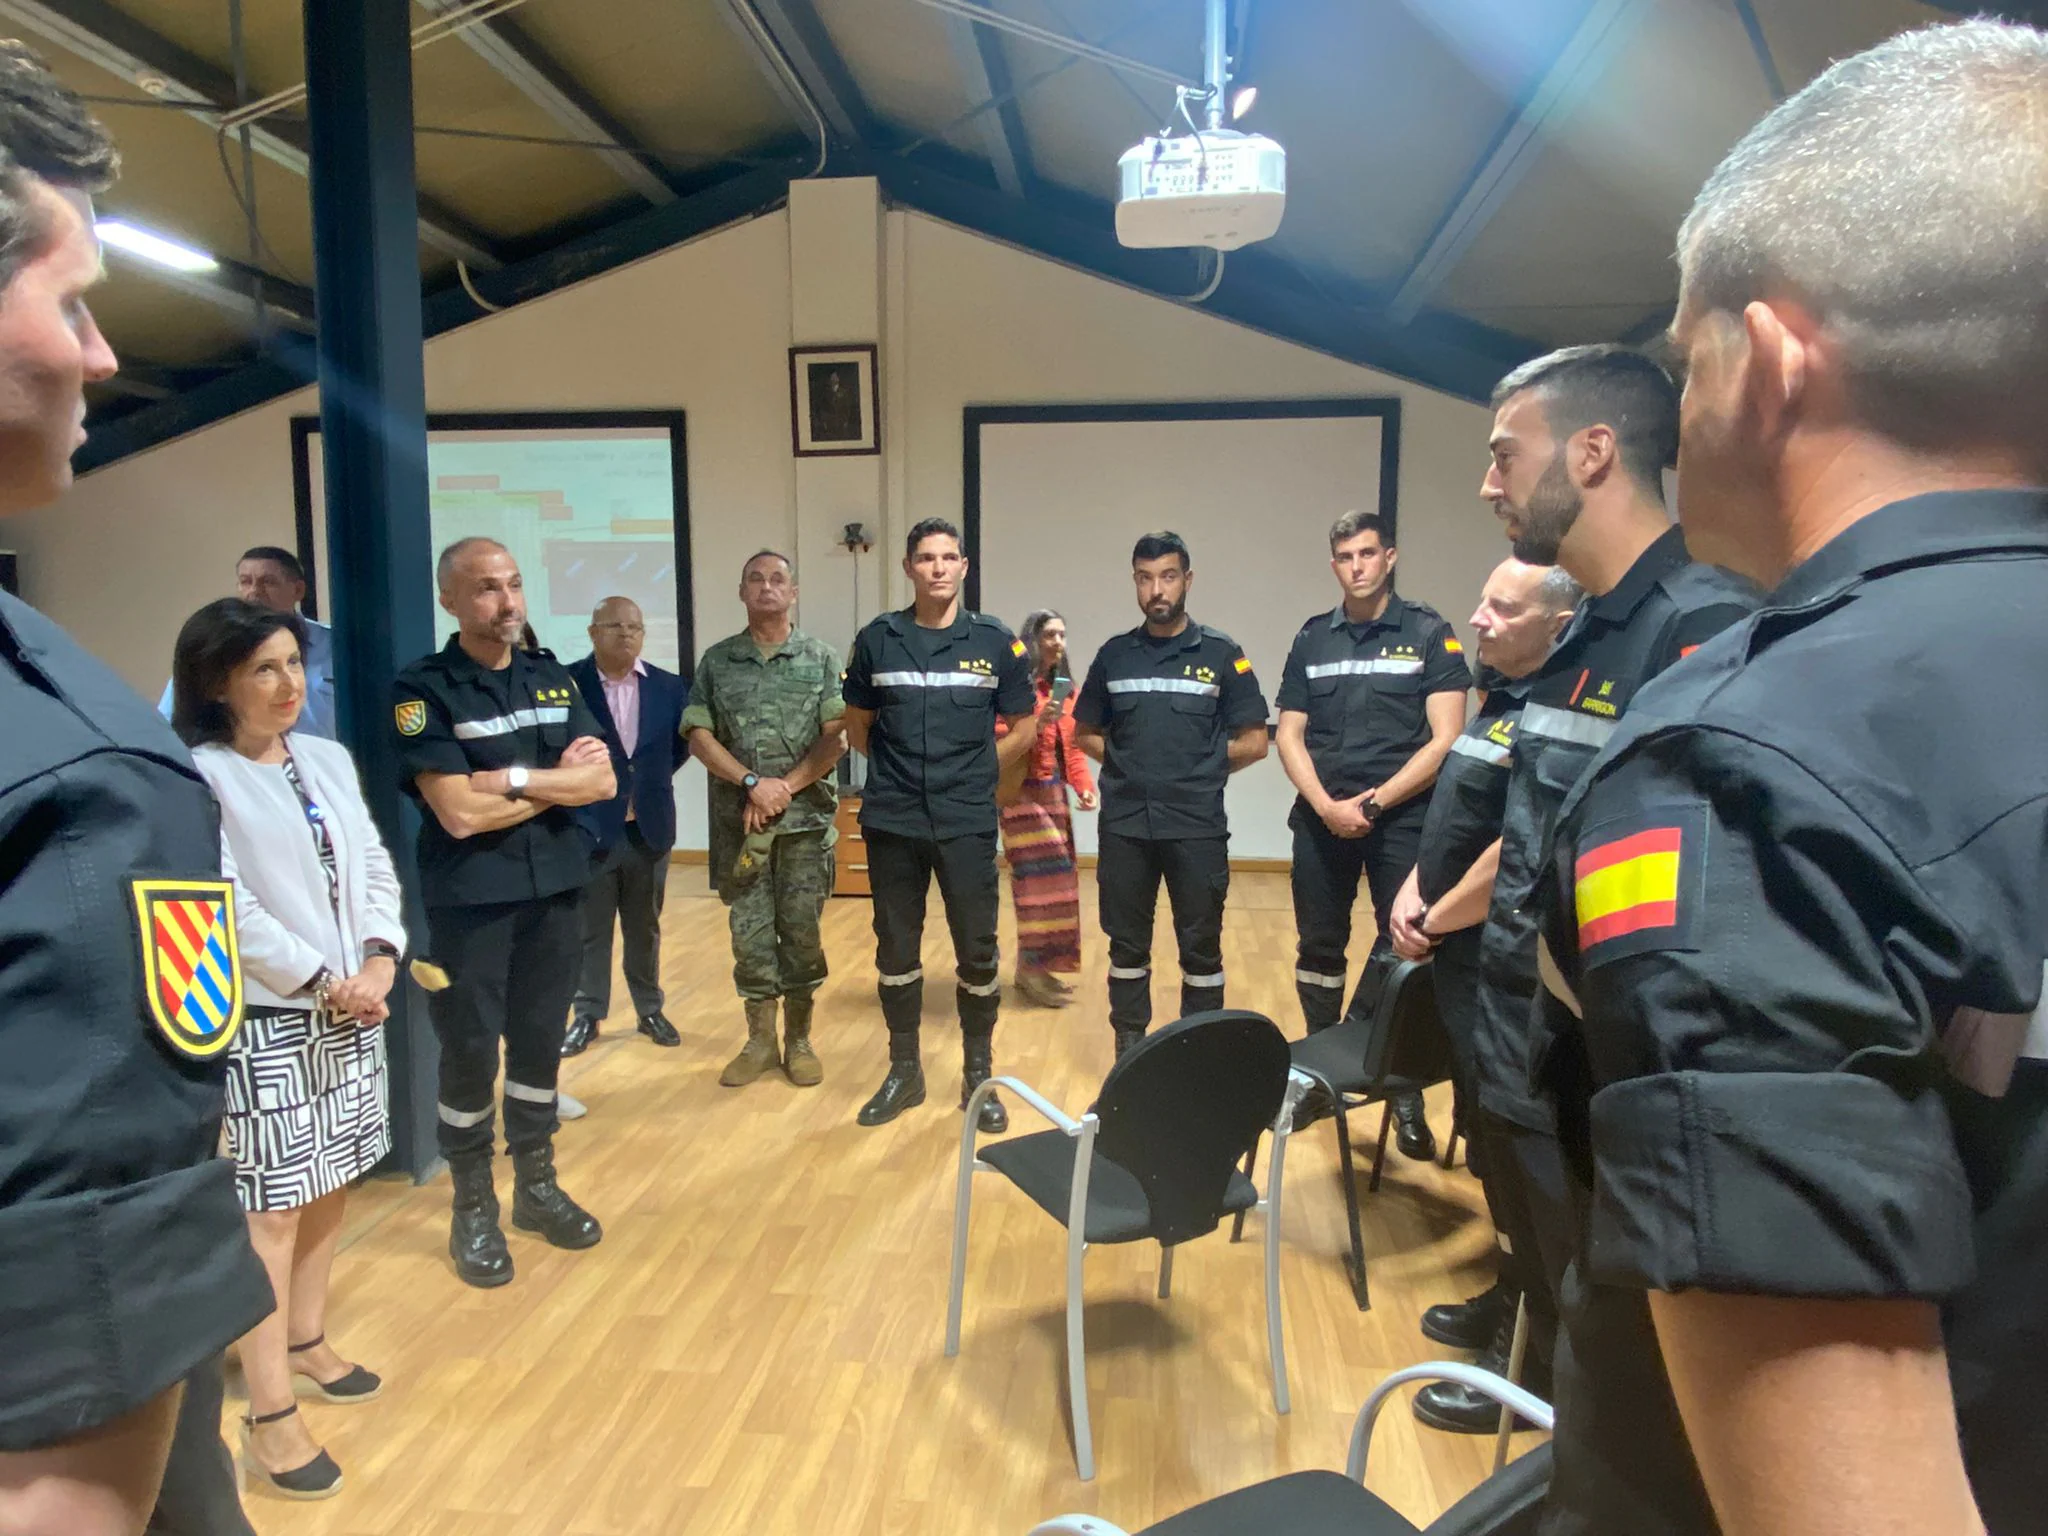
[622,698]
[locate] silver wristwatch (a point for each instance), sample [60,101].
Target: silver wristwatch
[515,782]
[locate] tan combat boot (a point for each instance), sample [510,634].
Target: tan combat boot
[798,1059]
[758,1055]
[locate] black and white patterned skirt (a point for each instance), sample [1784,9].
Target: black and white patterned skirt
[306,1107]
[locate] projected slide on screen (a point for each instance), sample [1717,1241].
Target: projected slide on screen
[1252,486]
[591,505]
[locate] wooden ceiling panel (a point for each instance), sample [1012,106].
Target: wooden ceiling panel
[1595,219]
[672,71]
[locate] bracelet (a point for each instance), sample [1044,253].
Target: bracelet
[323,982]
[383,947]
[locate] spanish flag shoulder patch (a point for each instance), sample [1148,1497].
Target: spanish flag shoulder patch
[1635,883]
[1454,645]
[1016,647]
[1242,665]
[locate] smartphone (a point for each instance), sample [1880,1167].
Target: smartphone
[1061,687]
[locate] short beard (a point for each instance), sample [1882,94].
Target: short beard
[1173,614]
[1552,509]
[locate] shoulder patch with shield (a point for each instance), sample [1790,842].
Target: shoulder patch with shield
[191,969]
[411,715]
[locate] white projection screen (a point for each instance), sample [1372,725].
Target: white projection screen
[592,504]
[1056,496]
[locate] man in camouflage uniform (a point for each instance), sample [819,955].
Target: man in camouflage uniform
[764,720]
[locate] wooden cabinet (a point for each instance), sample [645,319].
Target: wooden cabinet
[850,876]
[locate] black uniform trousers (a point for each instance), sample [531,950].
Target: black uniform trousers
[900,874]
[1325,875]
[514,970]
[200,1495]
[1529,1197]
[629,886]
[1197,875]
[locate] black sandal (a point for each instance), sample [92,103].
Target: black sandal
[358,1386]
[319,1478]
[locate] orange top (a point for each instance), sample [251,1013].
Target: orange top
[1055,742]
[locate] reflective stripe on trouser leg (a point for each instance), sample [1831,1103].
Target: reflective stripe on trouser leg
[1321,997]
[978,1002]
[474,944]
[1127,880]
[899,875]
[547,944]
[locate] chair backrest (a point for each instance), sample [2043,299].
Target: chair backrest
[1184,1106]
[1408,1039]
[1509,1503]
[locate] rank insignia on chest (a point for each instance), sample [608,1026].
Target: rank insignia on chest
[411,715]
[1200,674]
[979,664]
[191,969]
[1635,884]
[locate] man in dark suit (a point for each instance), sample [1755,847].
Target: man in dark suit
[641,709]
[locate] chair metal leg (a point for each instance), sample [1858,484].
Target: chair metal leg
[1517,1349]
[1379,1158]
[963,1194]
[1355,1264]
[1077,1361]
[1251,1161]
[1276,1343]
[1165,1271]
[1451,1146]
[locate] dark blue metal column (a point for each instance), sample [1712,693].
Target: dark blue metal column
[373,432]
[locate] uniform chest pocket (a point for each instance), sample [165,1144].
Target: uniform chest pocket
[1323,690]
[1559,765]
[1197,704]
[1397,679]
[963,696]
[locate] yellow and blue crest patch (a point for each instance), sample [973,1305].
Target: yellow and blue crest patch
[411,715]
[191,969]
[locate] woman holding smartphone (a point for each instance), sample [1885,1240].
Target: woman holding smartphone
[1038,826]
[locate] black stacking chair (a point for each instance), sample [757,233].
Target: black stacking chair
[1155,1157]
[1509,1503]
[1364,1061]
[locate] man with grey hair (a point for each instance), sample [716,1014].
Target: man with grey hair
[639,706]
[497,747]
[1798,908]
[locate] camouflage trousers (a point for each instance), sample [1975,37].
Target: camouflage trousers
[776,948]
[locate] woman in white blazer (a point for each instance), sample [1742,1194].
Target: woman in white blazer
[319,930]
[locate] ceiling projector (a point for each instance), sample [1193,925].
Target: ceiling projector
[1218,188]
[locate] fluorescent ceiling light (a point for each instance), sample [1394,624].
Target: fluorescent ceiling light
[1242,101]
[122,235]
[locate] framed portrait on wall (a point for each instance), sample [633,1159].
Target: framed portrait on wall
[832,401]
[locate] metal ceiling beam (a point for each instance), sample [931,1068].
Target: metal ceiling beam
[985,76]
[1577,68]
[291,364]
[526,66]
[96,32]
[786,39]
[228,288]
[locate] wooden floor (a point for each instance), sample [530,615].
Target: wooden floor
[757,1345]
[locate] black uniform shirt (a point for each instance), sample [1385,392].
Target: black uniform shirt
[1167,710]
[1471,792]
[935,695]
[1661,610]
[1802,901]
[124,1257]
[455,716]
[1364,687]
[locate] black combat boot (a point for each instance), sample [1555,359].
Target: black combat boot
[1125,1039]
[539,1205]
[1412,1134]
[903,1088]
[475,1242]
[977,1065]
[1452,1406]
[1470,1324]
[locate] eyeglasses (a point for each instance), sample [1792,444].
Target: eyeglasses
[626,629]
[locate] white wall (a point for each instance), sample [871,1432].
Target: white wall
[707,327]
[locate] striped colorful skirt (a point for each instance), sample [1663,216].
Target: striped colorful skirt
[1038,836]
